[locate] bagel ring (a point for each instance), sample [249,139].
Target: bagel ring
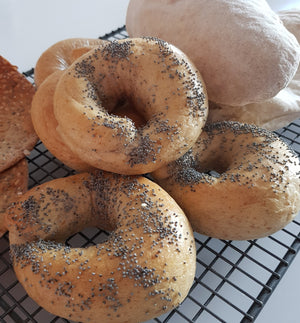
[256,192]
[156,80]
[48,70]
[145,267]
[45,124]
[60,56]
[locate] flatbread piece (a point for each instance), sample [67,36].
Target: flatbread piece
[13,182]
[17,135]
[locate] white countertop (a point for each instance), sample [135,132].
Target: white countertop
[29,27]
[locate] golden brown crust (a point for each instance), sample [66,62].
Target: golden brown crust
[256,192]
[45,124]
[144,269]
[13,183]
[17,135]
[154,77]
[60,56]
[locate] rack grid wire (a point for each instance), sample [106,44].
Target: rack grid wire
[233,281]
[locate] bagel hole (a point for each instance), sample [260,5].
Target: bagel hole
[213,173]
[87,237]
[213,166]
[126,108]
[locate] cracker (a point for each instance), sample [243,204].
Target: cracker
[13,182]
[17,135]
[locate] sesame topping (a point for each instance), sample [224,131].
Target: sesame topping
[113,76]
[242,152]
[141,224]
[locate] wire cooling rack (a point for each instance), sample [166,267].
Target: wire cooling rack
[233,280]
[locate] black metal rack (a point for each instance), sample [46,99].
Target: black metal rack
[233,281]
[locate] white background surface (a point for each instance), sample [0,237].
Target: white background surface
[29,27]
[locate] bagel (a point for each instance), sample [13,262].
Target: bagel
[156,81]
[60,56]
[255,193]
[45,124]
[144,268]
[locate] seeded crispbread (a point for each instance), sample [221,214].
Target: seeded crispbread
[13,182]
[17,135]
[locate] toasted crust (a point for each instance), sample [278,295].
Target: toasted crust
[17,135]
[13,183]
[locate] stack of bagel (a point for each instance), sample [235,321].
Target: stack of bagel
[116,111]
